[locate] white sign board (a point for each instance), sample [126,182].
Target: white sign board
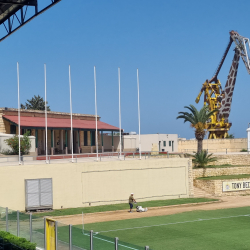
[228,186]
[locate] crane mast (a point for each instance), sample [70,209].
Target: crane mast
[217,98]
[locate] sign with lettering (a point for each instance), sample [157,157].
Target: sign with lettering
[228,186]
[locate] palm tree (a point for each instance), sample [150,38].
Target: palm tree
[198,121]
[201,159]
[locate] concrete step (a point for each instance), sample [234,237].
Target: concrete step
[201,193]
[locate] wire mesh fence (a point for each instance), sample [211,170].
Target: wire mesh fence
[64,236]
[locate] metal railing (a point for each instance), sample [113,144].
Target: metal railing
[70,237]
[218,150]
[84,157]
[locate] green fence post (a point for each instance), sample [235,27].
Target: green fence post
[30,227]
[18,223]
[7,220]
[91,239]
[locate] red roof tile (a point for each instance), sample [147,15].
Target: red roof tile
[39,122]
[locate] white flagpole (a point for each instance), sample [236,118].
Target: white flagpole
[19,126]
[139,119]
[46,122]
[120,120]
[71,137]
[96,133]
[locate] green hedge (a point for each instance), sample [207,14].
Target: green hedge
[19,242]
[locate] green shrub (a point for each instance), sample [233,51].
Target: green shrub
[243,150]
[24,141]
[19,242]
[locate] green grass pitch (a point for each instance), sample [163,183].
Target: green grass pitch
[217,229]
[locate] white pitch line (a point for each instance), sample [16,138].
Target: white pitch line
[111,242]
[174,223]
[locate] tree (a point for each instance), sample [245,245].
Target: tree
[201,159]
[231,136]
[25,144]
[35,103]
[198,121]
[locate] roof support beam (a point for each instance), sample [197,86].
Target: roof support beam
[29,3]
[12,12]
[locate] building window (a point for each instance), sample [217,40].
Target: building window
[85,138]
[169,143]
[164,143]
[13,129]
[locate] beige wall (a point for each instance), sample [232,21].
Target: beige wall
[147,140]
[214,145]
[220,171]
[78,184]
[214,187]
[107,142]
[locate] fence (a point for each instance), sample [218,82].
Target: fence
[85,157]
[218,150]
[70,237]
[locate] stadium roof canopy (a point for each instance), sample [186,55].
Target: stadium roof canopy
[16,13]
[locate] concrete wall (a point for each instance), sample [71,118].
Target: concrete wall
[220,171]
[148,139]
[107,142]
[4,146]
[78,184]
[214,145]
[214,187]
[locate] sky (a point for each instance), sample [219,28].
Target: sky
[176,45]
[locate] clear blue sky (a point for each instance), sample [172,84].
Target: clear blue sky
[176,45]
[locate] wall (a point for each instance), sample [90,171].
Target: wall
[214,187]
[220,171]
[148,139]
[107,143]
[214,145]
[4,146]
[78,184]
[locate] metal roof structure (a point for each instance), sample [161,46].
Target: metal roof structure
[58,123]
[16,13]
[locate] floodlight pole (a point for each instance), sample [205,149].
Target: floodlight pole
[120,120]
[46,120]
[19,126]
[96,133]
[71,137]
[139,119]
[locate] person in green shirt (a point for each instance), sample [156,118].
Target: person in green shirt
[130,201]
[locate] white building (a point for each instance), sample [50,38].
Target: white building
[165,142]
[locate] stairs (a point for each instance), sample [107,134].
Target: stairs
[201,193]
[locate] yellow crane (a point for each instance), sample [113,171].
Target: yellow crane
[215,97]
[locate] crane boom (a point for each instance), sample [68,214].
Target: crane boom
[219,99]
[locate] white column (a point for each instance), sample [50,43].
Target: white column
[248,139]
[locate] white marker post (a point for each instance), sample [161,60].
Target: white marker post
[139,119]
[96,133]
[71,136]
[82,224]
[120,120]
[19,120]
[46,122]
